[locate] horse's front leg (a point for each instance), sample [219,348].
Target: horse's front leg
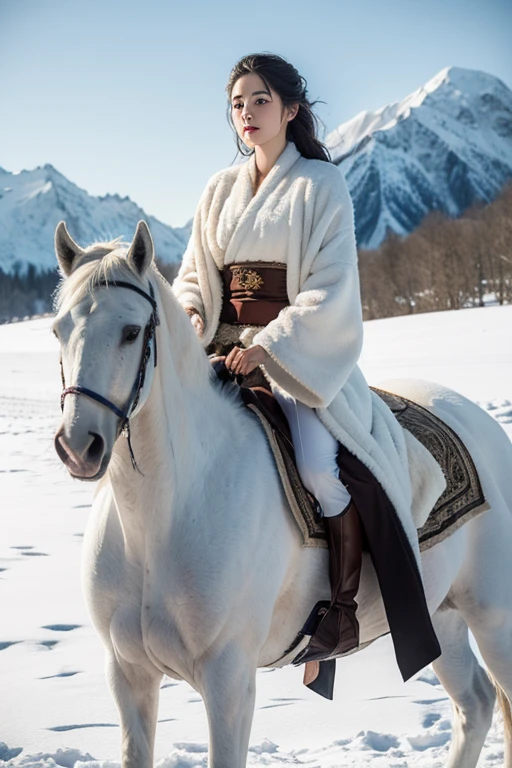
[227,682]
[136,692]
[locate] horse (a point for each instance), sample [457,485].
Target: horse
[192,566]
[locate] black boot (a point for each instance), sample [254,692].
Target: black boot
[338,632]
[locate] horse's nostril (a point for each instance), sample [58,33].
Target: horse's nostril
[61,447]
[96,448]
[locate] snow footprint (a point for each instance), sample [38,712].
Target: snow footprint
[61,627]
[60,674]
[280,702]
[8,754]
[430,719]
[78,726]
[7,644]
[49,644]
[26,549]
[439,735]
[379,742]
[428,740]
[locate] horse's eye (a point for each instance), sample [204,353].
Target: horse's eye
[130,333]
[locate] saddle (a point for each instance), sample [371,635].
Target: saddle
[462,499]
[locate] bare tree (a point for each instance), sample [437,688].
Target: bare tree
[444,264]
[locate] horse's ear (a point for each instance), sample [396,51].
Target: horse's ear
[68,252]
[142,249]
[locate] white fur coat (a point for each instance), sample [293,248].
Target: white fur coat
[302,215]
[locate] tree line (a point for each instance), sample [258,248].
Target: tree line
[29,293]
[445,263]
[26,293]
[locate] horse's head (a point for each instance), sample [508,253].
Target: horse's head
[105,323]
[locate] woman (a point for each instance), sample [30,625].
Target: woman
[272,264]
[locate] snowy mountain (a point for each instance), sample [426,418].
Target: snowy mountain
[443,147]
[33,202]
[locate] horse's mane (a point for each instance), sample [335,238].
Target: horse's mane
[101,261]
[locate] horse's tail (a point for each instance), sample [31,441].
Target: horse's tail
[505,707]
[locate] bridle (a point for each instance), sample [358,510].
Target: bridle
[124,414]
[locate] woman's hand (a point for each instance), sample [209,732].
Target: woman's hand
[245,360]
[195,319]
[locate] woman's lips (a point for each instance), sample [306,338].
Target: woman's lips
[250,130]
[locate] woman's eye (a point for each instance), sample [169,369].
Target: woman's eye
[130,333]
[239,104]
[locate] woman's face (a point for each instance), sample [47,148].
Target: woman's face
[252,104]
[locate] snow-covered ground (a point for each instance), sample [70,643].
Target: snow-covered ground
[55,707]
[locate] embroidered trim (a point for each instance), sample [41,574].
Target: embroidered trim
[248,279]
[463,498]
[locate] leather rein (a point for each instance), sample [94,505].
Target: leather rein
[124,414]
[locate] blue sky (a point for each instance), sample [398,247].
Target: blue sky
[129,97]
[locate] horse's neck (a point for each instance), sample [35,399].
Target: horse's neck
[176,434]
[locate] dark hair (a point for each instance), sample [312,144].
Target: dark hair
[283,78]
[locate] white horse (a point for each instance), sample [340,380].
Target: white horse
[195,568]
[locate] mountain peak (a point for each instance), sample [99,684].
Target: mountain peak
[444,76]
[32,202]
[444,146]
[52,171]
[449,90]
[470,82]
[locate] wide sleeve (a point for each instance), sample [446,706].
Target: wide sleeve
[315,342]
[188,286]
[186,283]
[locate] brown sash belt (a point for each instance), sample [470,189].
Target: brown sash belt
[254,292]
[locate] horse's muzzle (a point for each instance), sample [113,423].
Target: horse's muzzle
[88,463]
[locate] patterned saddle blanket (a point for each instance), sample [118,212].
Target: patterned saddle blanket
[461,501]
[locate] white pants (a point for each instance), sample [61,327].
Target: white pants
[316,451]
